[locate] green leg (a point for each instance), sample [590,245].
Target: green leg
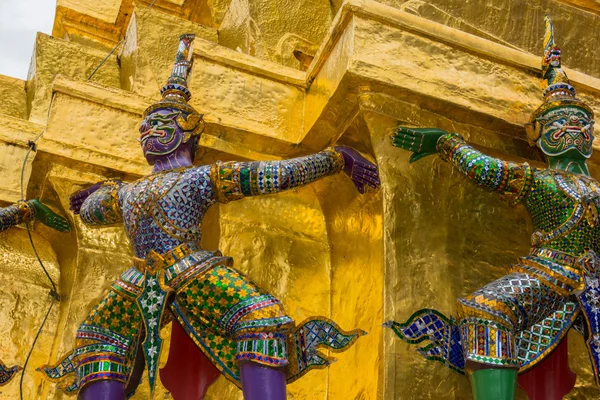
[494,384]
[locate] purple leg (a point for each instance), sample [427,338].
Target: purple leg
[103,390]
[262,383]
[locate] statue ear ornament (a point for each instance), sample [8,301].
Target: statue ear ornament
[193,125]
[532,132]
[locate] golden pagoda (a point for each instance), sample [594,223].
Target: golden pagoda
[279,79]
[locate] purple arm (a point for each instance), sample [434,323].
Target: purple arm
[76,200]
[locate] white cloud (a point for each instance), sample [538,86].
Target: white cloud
[21,20]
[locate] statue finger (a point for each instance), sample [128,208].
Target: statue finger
[369,176]
[414,147]
[368,173]
[366,166]
[359,186]
[374,183]
[370,166]
[62,227]
[400,137]
[403,141]
[64,224]
[398,143]
[404,135]
[407,131]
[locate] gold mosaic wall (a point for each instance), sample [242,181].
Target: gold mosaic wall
[277,79]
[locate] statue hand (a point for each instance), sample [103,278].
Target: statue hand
[359,169]
[48,217]
[421,141]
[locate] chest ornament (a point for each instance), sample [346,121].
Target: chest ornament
[585,194]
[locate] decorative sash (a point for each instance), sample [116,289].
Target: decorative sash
[160,273]
[586,200]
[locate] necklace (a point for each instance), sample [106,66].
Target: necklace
[145,194]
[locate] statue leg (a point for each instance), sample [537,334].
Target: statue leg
[103,390]
[260,382]
[104,354]
[243,325]
[493,383]
[103,360]
[490,319]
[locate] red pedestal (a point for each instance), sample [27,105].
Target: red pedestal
[188,372]
[552,378]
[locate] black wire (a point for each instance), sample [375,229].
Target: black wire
[31,144]
[112,51]
[32,347]
[106,58]
[23,172]
[53,292]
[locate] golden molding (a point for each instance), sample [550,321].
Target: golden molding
[70,22]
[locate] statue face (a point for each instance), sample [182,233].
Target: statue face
[160,134]
[566,128]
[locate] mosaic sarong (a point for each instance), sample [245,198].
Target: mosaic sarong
[514,321]
[228,317]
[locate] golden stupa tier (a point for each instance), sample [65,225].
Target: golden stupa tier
[275,82]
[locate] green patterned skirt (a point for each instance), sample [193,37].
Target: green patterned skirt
[227,316]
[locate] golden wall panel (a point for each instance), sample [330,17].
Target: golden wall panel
[13,97]
[516,24]
[354,230]
[325,84]
[25,302]
[109,139]
[262,28]
[218,10]
[436,69]
[55,56]
[106,10]
[11,163]
[146,57]
[270,108]
[14,134]
[280,242]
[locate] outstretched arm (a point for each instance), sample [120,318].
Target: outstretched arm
[510,179]
[16,214]
[234,180]
[26,211]
[98,204]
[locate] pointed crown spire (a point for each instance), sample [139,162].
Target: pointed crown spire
[557,89]
[555,81]
[175,92]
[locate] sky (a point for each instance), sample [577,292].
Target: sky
[21,20]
